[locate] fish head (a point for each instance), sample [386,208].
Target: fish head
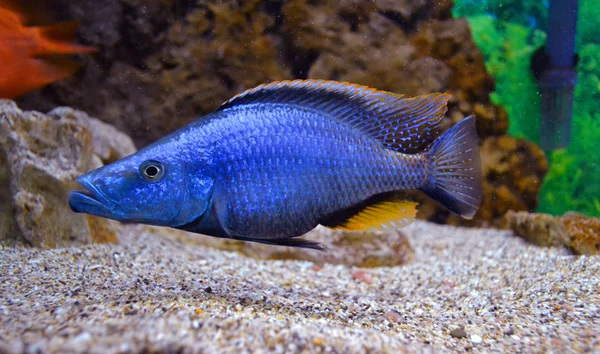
[147,187]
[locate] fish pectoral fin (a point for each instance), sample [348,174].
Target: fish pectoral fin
[381,212]
[289,242]
[403,124]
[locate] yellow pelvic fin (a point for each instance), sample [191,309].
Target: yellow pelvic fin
[383,215]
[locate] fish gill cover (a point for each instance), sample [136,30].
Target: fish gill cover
[508,33]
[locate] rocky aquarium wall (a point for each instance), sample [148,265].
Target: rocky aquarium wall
[161,64]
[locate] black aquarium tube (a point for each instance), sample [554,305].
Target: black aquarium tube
[558,79]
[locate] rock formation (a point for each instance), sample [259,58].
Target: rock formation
[578,233]
[40,155]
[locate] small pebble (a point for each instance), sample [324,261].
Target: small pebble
[476,339]
[440,246]
[82,338]
[458,333]
[393,316]
[362,276]
[448,283]
[208,290]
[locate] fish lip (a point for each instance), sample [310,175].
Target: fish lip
[89,196]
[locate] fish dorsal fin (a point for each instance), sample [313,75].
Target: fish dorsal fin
[403,124]
[380,213]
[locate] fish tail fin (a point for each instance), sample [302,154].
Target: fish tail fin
[455,179]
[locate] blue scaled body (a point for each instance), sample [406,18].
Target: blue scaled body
[275,161]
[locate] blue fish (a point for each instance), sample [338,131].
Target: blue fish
[277,160]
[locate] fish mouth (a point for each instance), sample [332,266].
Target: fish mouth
[90,199]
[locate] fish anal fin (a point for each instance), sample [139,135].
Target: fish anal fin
[53,68]
[296,242]
[57,39]
[403,124]
[379,213]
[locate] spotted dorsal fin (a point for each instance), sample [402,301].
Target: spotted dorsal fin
[380,213]
[403,124]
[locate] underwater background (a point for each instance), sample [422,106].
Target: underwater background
[522,277]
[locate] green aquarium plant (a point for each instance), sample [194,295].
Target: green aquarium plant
[507,50]
[573,181]
[508,33]
[527,13]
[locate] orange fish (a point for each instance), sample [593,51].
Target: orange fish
[29,56]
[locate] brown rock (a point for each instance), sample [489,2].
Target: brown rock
[110,144]
[458,333]
[577,232]
[40,156]
[540,229]
[584,233]
[102,230]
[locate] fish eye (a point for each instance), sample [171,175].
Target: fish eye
[152,171]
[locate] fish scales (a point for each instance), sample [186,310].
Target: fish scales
[277,160]
[307,156]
